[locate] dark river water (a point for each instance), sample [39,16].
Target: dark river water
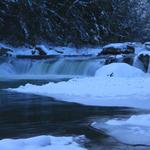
[27,115]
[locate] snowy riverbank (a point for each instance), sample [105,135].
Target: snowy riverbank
[52,50]
[125,88]
[42,143]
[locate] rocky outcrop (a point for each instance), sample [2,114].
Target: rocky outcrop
[119,59]
[144,57]
[5,51]
[39,50]
[117,48]
[128,60]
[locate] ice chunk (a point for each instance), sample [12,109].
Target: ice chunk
[135,130]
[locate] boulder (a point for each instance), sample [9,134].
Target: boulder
[40,50]
[128,59]
[144,57]
[117,48]
[110,60]
[4,51]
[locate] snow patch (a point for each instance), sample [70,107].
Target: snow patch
[41,143]
[134,131]
[147,45]
[116,45]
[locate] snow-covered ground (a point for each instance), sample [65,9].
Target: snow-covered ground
[129,88]
[42,143]
[62,50]
[134,130]
[53,50]
[119,70]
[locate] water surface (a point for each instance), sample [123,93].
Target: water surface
[26,115]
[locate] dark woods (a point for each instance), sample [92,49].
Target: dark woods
[76,22]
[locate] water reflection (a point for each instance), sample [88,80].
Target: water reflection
[26,115]
[23,114]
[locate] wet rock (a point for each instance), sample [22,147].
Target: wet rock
[128,60]
[110,60]
[117,48]
[145,59]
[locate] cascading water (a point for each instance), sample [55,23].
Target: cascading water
[138,64]
[62,66]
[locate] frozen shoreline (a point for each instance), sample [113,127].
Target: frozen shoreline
[133,131]
[128,88]
[43,142]
[81,91]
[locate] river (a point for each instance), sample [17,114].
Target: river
[27,115]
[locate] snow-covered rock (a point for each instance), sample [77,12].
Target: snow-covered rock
[117,48]
[41,143]
[40,50]
[144,53]
[147,45]
[45,49]
[139,47]
[5,51]
[119,70]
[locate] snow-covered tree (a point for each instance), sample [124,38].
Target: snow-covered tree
[74,21]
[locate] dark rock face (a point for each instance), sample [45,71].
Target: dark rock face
[5,51]
[145,59]
[128,59]
[75,22]
[115,49]
[40,51]
[110,60]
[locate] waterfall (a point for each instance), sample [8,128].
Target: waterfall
[62,66]
[138,64]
